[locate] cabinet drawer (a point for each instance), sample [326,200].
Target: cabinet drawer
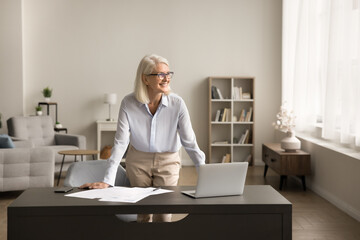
[296,165]
[271,159]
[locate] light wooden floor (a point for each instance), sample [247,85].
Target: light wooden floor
[313,217]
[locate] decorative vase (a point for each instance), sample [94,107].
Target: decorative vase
[38,113]
[47,99]
[59,125]
[290,143]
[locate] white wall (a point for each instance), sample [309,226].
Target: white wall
[11,83]
[85,48]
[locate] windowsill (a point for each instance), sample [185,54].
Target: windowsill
[330,145]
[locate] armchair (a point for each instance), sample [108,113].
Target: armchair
[39,130]
[94,171]
[22,168]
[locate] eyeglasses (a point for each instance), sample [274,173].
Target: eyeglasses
[161,76]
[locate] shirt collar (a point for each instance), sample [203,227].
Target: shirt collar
[164,101]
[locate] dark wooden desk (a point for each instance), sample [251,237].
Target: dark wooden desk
[261,213]
[286,163]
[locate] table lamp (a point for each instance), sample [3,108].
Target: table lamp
[110,98]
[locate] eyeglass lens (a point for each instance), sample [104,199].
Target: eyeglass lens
[161,76]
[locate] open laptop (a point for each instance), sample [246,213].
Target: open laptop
[220,179]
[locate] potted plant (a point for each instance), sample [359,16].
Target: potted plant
[47,92]
[38,110]
[58,125]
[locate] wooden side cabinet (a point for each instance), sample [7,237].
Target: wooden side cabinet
[286,163]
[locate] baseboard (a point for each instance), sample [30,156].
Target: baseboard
[345,207]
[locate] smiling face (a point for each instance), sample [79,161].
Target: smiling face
[154,85]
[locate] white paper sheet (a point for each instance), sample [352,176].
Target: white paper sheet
[119,194]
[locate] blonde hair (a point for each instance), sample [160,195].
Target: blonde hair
[146,66]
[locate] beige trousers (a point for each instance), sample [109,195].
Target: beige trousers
[152,169]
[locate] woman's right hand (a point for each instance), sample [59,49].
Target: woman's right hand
[95,185]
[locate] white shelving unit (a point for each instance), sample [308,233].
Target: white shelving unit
[224,136]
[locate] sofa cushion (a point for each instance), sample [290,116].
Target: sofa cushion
[38,129]
[22,168]
[5,141]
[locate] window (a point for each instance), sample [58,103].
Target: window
[321,67]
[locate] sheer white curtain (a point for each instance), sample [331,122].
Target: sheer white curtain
[321,67]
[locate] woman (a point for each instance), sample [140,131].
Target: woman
[156,123]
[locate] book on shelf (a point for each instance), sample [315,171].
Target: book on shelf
[214,93]
[242,115]
[219,93]
[228,115]
[223,119]
[247,133]
[237,93]
[217,115]
[226,158]
[223,115]
[245,116]
[244,139]
[248,115]
[241,139]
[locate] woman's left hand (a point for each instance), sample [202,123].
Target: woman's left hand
[95,185]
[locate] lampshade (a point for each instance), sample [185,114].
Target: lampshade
[110,98]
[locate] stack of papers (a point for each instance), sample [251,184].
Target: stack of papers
[119,194]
